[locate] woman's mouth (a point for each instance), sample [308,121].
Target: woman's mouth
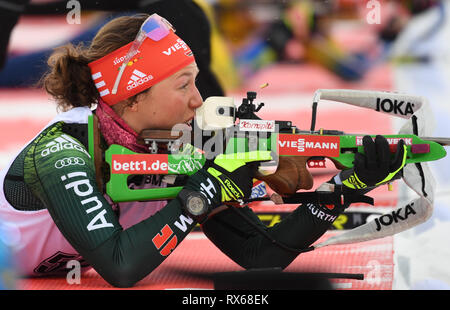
[189,122]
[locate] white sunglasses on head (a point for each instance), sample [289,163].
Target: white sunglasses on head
[154,27]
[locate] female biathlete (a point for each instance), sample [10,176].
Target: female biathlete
[138,74]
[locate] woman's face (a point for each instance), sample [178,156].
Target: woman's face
[170,102]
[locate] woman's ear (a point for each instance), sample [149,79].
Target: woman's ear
[133,105]
[124,106]
[141,96]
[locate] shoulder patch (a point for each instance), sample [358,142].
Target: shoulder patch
[55,140]
[63,142]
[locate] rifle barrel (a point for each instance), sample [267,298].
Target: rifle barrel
[441,140]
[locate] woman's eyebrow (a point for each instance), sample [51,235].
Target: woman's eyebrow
[189,73]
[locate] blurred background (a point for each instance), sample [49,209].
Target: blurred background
[292,48]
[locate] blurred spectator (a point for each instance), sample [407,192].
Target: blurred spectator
[10,11]
[306,30]
[193,26]
[221,58]
[300,34]
[236,23]
[187,17]
[398,13]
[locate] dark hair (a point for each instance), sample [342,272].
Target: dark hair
[68,79]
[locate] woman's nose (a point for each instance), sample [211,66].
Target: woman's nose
[196,100]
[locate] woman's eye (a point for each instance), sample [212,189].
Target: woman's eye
[185,85]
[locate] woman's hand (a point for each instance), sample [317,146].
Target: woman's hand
[227,178]
[376,166]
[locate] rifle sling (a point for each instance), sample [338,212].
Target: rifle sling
[328,198]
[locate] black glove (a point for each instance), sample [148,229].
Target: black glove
[227,178]
[376,166]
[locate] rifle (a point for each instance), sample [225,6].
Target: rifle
[183,151]
[294,150]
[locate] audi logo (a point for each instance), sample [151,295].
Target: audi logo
[68,161]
